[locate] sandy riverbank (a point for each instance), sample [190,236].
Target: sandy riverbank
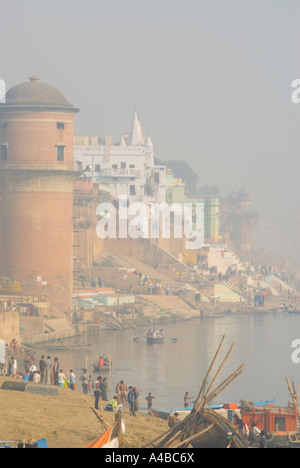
[66,420]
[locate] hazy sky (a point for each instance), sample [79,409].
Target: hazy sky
[210,80]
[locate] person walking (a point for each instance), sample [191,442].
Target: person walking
[132,398]
[85,382]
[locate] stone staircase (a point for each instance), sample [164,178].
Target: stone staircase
[169,304]
[227,292]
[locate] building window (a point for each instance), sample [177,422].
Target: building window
[60,125]
[132,190]
[115,167]
[97,167]
[3,152]
[132,166]
[60,153]
[123,165]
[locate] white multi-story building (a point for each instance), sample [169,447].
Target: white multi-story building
[127,167]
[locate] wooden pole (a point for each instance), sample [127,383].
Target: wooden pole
[101,419]
[294,396]
[224,385]
[109,360]
[219,370]
[208,372]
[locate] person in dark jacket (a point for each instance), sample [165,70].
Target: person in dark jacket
[132,398]
[103,389]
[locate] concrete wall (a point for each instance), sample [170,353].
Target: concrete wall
[9,326]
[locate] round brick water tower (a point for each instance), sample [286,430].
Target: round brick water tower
[36,190]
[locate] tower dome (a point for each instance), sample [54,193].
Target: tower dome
[37,94]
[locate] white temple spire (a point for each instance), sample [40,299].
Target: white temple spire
[122,143]
[136,137]
[149,142]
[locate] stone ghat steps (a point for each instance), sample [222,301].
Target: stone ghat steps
[171,304]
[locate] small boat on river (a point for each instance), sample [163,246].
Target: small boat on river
[153,336]
[102,365]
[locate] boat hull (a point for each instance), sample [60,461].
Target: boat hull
[151,340]
[101,368]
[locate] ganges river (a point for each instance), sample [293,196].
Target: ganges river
[262,342]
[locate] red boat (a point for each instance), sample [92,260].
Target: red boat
[281,423]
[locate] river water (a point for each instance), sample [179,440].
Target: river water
[168,370]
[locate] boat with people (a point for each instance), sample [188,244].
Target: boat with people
[102,365]
[279,423]
[154,336]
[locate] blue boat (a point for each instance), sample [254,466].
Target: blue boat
[165,414]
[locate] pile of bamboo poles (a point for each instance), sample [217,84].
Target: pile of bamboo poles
[186,431]
[295,395]
[116,429]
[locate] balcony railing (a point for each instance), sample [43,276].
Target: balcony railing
[120,173]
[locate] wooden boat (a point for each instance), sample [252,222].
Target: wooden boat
[62,347]
[153,339]
[153,336]
[216,436]
[98,368]
[294,441]
[280,422]
[58,348]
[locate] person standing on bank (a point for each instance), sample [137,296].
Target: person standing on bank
[97,392]
[149,399]
[56,371]
[48,370]
[72,382]
[61,379]
[103,388]
[132,398]
[85,382]
[43,369]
